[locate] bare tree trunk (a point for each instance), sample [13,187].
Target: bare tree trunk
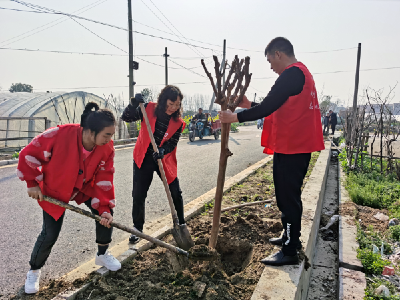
[224,98]
[223,161]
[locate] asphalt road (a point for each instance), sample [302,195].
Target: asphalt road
[21,217]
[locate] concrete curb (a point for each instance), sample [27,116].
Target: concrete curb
[292,282]
[352,280]
[158,228]
[8,162]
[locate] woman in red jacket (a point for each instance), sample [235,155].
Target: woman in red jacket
[71,162]
[167,126]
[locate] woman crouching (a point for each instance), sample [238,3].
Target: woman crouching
[71,162]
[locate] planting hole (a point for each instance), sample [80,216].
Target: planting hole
[235,254]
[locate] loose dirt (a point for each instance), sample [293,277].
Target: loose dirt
[366,215]
[242,243]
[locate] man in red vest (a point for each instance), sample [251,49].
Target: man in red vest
[291,132]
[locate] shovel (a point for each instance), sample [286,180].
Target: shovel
[179,232]
[117,225]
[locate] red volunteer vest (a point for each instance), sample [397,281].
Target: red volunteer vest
[296,126]
[169,161]
[64,166]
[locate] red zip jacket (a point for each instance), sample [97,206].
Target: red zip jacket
[169,161]
[54,161]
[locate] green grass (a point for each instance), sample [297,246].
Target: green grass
[370,237]
[372,262]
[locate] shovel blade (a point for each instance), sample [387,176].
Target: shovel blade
[182,236]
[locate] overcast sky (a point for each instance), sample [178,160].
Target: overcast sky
[310,25]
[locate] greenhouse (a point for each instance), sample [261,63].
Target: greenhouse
[25,115]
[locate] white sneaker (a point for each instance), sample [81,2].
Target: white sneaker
[108,261]
[32,282]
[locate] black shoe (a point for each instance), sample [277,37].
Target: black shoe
[133,239]
[279,242]
[279,259]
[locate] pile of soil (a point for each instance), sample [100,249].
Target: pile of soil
[242,243]
[366,215]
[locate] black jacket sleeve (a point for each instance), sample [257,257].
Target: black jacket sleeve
[132,113]
[170,145]
[290,83]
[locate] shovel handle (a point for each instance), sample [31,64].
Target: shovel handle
[117,225]
[160,165]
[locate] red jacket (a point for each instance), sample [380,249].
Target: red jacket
[54,161]
[143,142]
[295,127]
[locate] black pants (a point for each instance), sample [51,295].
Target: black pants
[326,128]
[49,235]
[333,128]
[142,179]
[289,171]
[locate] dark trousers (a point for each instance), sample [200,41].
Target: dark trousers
[326,128]
[142,179]
[333,126]
[289,171]
[49,235]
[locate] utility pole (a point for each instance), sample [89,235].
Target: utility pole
[354,116]
[133,65]
[255,95]
[355,111]
[130,50]
[166,66]
[223,62]
[222,67]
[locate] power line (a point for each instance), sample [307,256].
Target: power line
[114,26]
[117,86]
[187,68]
[202,82]
[86,53]
[91,6]
[335,50]
[340,71]
[196,51]
[154,36]
[108,42]
[65,52]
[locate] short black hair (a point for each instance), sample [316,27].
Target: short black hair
[96,120]
[280,44]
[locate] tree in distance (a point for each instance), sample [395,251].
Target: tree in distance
[21,87]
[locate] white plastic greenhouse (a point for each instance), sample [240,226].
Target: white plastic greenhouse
[25,115]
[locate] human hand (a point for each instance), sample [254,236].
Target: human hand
[35,193]
[159,155]
[227,116]
[137,99]
[245,103]
[106,219]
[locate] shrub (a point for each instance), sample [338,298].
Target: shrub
[370,237]
[234,127]
[395,232]
[372,262]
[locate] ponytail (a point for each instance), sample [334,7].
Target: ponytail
[88,110]
[96,120]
